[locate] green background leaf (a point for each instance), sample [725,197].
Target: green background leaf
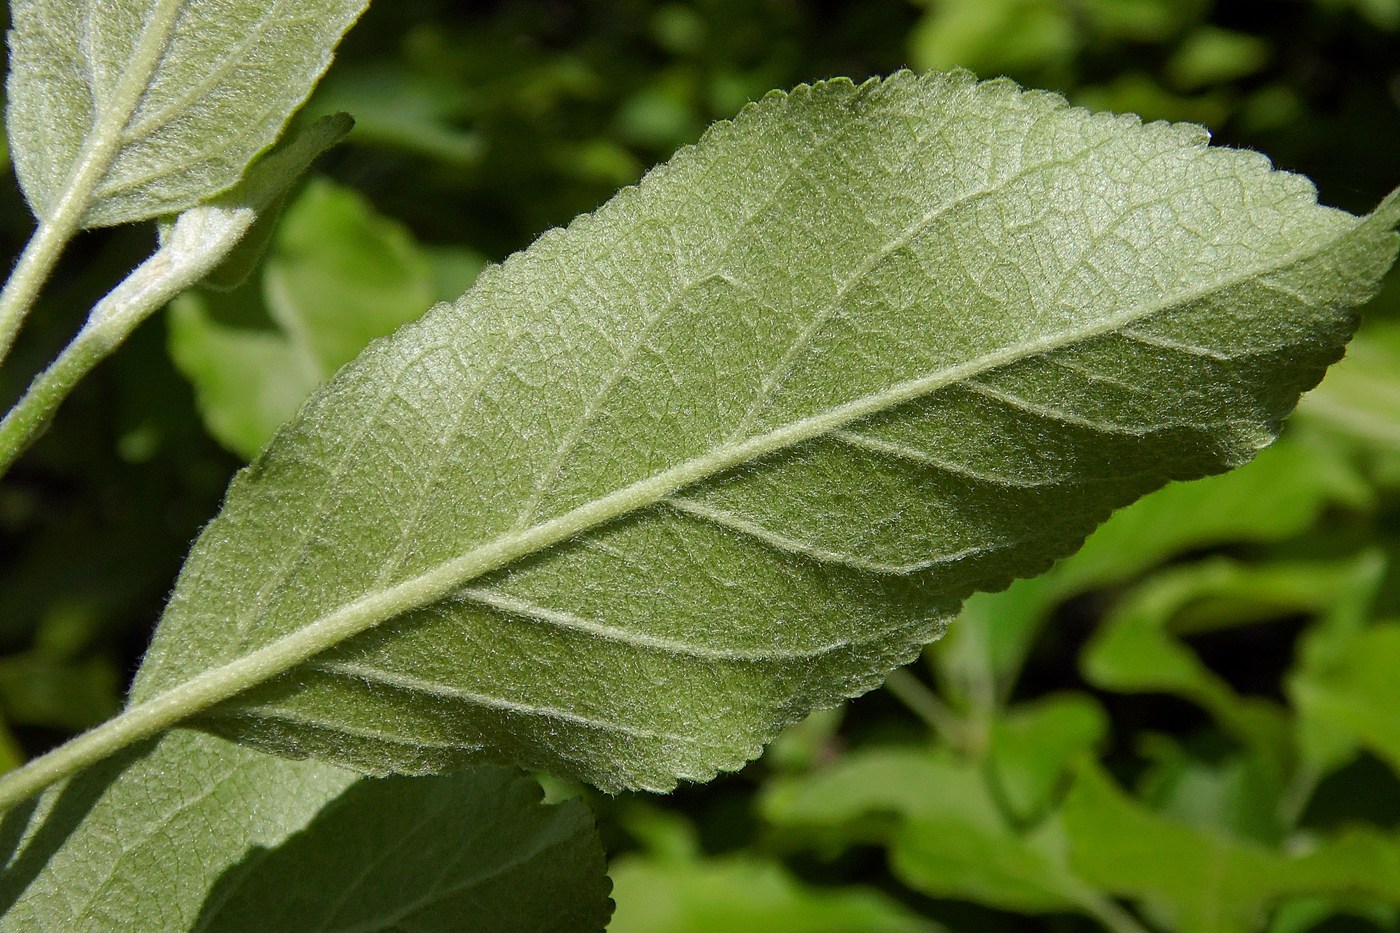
[745,894]
[337,275]
[924,334]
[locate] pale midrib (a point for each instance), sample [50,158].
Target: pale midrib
[105,139]
[203,691]
[154,121]
[441,581]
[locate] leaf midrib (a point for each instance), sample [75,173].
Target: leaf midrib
[370,610]
[106,135]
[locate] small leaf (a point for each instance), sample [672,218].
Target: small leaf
[868,794]
[954,857]
[192,833]
[1137,649]
[132,109]
[337,276]
[737,444]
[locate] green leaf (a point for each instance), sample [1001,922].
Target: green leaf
[1352,691]
[473,850]
[1206,881]
[1032,746]
[745,893]
[1241,794]
[338,275]
[947,834]
[866,795]
[737,444]
[954,857]
[1216,56]
[134,109]
[193,833]
[1138,649]
[398,108]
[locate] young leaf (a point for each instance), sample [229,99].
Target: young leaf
[192,833]
[738,443]
[132,109]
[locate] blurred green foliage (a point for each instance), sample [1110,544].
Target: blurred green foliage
[1189,725]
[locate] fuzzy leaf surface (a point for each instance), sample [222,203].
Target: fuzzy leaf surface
[131,109]
[194,833]
[738,443]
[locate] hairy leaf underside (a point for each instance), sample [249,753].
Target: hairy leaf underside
[191,833]
[138,108]
[738,443]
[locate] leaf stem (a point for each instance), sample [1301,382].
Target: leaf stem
[199,240]
[33,269]
[925,704]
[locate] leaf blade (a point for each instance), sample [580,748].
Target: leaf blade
[692,472]
[133,110]
[192,833]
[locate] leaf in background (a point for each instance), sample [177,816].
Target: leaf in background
[995,36]
[1202,881]
[192,833]
[948,837]
[1351,691]
[338,275]
[1032,746]
[745,893]
[58,682]
[736,445]
[132,109]
[867,794]
[396,107]
[953,857]
[1137,649]
[1211,55]
[1239,793]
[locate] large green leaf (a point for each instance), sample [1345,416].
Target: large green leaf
[737,444]
[130,109]
[192,833]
